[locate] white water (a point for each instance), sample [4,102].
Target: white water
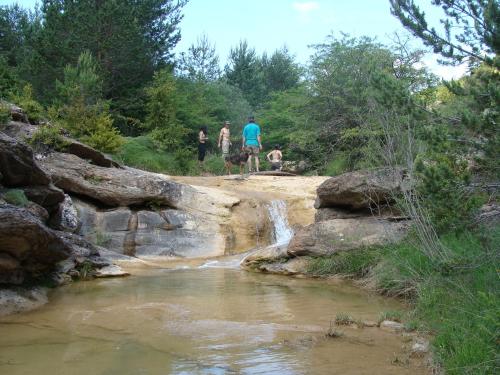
[278,215]
[282,234]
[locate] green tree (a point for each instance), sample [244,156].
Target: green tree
[81,109]
[469,28]
[244,71]
[200,62]
[280,71]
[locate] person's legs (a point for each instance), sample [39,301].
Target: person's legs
[257,162]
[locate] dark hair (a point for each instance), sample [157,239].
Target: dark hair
[204,129]
[277,147]
[251,119]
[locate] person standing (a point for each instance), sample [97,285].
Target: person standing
[252,142]
[202,144]
[275,158]
[225,140]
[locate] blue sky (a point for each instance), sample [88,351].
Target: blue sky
[270,24]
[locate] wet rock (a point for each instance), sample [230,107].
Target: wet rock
[294,266]
[369,323]
[16,300]
[361,189]
[269,254]
[17,166]
[111,271]
[66,216]
[389,325]
[327,237]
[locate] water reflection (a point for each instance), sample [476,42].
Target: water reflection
[209,321]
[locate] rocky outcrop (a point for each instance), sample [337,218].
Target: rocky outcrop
[110,186]
[28,249]
[361,189]
[328,237]
[66,217]
[17,166]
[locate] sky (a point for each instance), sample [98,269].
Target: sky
[297,24]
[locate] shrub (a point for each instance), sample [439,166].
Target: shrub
[4,113]
[16,197]
[355,263]
[47,137]
[25,100]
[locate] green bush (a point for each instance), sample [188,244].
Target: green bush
[31,107]
[47,137]
[4,113]
[15,197]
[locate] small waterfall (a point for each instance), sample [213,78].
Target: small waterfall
[282,234]
[278,215]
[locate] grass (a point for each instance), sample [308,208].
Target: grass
[15,197]
[140,152]
[457,301]
[395,316]
[343,319]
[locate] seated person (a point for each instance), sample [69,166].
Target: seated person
[275,158]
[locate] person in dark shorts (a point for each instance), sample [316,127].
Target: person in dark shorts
[275,157]
[252,142]
[202,144]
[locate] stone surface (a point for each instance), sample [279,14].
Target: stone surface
[111,271]
[86,152]
[25,238]
[16,300]
[361,189]
[294,266]
[327,237]
[111,186]
[17,166]
[267,254]
[419,348]
[389,325]
[17,113]
[66,216]
[47,196]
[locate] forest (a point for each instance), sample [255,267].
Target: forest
[105,73]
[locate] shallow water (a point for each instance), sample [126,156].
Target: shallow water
[199,321]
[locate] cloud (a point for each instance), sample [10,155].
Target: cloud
[305,7]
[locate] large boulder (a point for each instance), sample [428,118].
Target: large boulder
[110,186]
[27,247]
[66,216]
[86,152]
[361,189]
[17,166]
[47,196]
[328,237]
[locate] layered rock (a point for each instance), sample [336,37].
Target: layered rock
[328,237]
[361,189]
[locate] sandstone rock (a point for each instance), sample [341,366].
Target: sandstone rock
[419,348]
[267,254]
[86,152]
[295,167]
[111,186]
[17,113]
[111,271]
[361,189]
[47,196]
[16,300]
[327,237]
[24,238]
[389,325]
[19,130]
[330,213]
[17,166]
[294,266]
[66,216]
[38,211]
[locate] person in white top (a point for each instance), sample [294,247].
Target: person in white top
[275,158]
[225,139]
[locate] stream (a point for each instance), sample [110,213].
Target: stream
[209,319]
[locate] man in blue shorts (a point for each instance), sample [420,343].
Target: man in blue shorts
[252,142]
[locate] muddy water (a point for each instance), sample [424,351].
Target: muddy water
[199,321]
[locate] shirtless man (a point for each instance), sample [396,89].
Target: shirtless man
[275,158]
[225,140]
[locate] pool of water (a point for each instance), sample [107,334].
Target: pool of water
[200,321]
